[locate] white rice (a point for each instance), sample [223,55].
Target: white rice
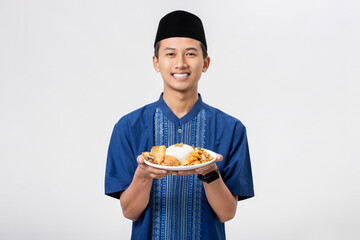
[181,153]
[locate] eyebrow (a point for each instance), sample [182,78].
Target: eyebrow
[187,49]
[171,49]
[192,48]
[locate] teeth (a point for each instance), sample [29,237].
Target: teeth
[180,75]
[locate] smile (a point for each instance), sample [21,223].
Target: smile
[180,75]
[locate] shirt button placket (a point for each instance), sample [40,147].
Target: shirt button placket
[179,134]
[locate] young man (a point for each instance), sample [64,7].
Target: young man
[190,204]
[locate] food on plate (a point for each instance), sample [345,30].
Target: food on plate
[198,156]
[158,154]
[170,161]
[180,151]
[177,155]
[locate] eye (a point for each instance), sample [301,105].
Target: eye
[170,54]
[191,54]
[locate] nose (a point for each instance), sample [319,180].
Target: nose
[181,61]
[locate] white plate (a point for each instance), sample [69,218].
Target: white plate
[183,168]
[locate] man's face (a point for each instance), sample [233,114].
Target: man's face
[180,63]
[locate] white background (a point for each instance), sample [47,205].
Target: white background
[288,69]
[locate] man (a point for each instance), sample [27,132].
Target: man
[190,204]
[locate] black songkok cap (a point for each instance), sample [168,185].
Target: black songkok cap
[180,24]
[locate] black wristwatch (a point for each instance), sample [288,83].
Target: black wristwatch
[211,176]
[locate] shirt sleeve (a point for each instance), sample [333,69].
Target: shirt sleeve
[121,160]
[237,174]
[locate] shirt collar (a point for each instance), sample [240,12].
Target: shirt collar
[173,118]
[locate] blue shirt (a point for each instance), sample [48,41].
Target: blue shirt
[178,207]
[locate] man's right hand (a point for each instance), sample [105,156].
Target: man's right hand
[147,172]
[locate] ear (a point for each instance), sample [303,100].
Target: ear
[206,64]
[156,64]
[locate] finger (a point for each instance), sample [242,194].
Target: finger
[156,171]
[206,169]
[219,157]
[211,165]
[160,175]
[187,172]
[201,170]
[147,168]
[180,173]
[140,159]
[151,172]
[191,172]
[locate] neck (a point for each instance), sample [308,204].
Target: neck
[180,103]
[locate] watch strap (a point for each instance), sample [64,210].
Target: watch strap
[210,177]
